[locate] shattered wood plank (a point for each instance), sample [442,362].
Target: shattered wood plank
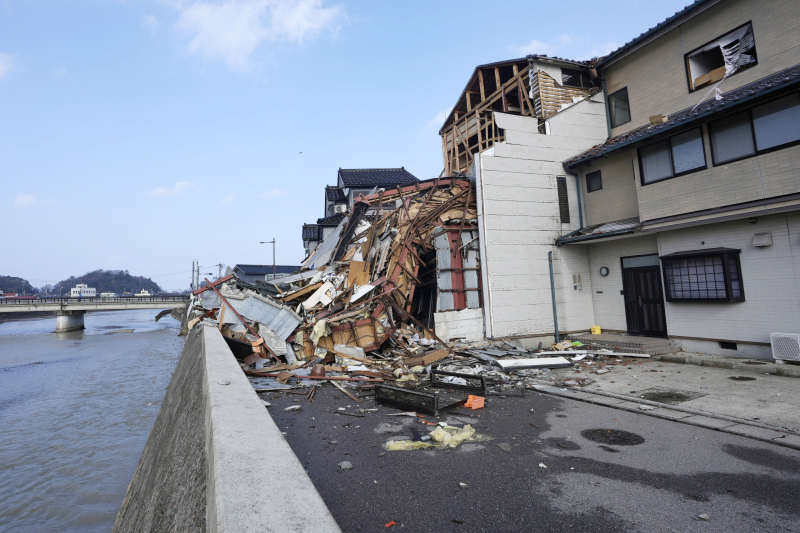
[428,359]
[344,391]
[302,292]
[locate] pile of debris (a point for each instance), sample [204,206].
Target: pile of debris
[361,308]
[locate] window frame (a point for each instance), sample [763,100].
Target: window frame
[718,37]
[586,179]
[581,75]
[757,152]
[608,104]
[725,254]
[671,159]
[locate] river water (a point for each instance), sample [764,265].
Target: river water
[75,412]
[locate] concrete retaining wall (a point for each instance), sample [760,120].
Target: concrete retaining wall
[215,460]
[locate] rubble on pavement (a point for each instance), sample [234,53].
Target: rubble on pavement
[349,317]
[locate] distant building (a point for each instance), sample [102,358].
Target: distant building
[81,289]
[250,273]
[339,198]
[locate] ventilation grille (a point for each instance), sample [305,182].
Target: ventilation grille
[785,346]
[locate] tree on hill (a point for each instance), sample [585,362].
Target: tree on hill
[18,285]
[117,281]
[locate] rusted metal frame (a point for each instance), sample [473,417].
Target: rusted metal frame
[415,254]
[235,312]
[463,217]
[410,300]
[403,200]
[457,275]
[409,272]
[380,204]
[204,289]
[402,345]
[419,187]
[402,312]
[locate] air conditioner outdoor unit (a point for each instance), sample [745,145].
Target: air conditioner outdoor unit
[340,209]
[785,347]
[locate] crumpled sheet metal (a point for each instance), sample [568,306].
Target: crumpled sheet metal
[276,317]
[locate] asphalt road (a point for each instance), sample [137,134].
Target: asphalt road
[663,484]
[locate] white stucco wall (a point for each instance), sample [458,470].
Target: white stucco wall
[519,223]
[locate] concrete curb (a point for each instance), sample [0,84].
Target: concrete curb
[255,481]
[789,371]
[693,417]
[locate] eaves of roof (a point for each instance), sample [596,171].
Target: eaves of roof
[656,31]
[784,80]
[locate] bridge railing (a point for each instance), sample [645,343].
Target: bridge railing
[96,299]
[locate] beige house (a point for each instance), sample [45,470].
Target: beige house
[663,186]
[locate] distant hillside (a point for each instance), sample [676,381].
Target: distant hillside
[18,285]
[117,281]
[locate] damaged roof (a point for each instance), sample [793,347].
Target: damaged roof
[334,193]
[785,79]
[375,177]
[259,270]
[662,27]
[332,220]
[597,231]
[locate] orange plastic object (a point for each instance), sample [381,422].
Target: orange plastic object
[475,402]
[392,523]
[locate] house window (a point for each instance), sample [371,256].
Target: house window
[676,156]
[722,57]
[575,78]
[762,129]
[618,108]
[704,275]
[594,181]
[563,199]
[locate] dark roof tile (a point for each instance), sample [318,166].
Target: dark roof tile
[787,78]
[260,270]
[332,220]
[334,194]
[375,177]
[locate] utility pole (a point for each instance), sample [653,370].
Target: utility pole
[273,254]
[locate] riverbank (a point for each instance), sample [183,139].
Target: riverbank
[76,409]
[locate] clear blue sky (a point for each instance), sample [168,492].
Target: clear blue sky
[142,134]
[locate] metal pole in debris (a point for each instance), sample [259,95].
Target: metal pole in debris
[273,254]
[553,293]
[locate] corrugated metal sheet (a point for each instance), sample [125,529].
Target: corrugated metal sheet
[279,318]
[444,280]
[471,276]
[325,250]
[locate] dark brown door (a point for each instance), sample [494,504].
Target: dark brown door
[644,301]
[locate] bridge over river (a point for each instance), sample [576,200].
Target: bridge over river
[70,311]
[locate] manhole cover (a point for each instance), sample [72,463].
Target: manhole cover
[754,363]
[668,396]
[742,378]
[615,437]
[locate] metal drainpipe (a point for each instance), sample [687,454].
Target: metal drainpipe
[578,189]
[608,108]
[553,293]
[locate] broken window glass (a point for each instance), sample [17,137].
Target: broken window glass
[619,108]
[575,78]
[722,57]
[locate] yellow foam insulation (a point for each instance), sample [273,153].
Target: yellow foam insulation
[399,445]
[452,436]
